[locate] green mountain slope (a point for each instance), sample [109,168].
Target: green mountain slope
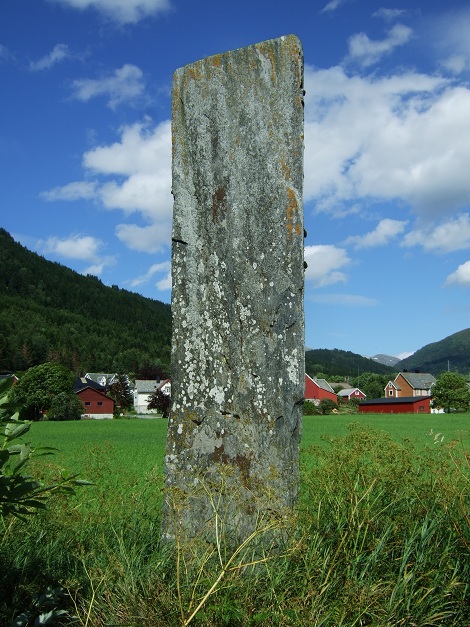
[48,311]
[345,363]
[453,352]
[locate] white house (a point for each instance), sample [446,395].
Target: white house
[143,390]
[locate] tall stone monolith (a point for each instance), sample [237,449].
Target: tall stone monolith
[238,278]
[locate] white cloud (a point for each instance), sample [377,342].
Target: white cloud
[79,247]
[149,239]
[132,175]
[367,52]
[455,64]
[442,238]
[405,138]
[461,276]
[121,11]
[386,230]
[389,14]
[324,265]
[157,268]
[57,54]
[332,5]
[124,85]
[72,191]
[75,247]
[348,300]
[447,34]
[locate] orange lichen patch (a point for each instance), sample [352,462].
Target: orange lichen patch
[292,214]
[216,60]
[285,169]
[194,71]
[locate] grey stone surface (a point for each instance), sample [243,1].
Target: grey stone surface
[238,277]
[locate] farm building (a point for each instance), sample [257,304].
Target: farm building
[143,390]
[95,402]
[410,384]
[318,389]
[351,393]
[401,405]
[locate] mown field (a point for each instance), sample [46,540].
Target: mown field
[381,534]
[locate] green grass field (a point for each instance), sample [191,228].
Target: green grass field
[134,448]
[381,535]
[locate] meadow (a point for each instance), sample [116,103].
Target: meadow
[380,537]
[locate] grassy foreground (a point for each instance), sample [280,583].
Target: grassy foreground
[380,537]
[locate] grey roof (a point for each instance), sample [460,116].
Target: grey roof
[323,384]
[419,380]
[144,386]
[347,391]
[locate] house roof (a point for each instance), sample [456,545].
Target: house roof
[418,380]
[323,384]
[348,391]
[163,383]
[144,386]
[81,383]
[395,400]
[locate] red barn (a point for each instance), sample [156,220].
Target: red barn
[318,389]
[402,405]
[95,403]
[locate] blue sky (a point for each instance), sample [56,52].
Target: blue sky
[85,155]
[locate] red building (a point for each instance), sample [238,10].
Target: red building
[95,403]
[402,405]
[318,389]
[351,393]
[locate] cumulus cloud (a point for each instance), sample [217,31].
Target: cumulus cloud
[75,247]
[124,85]
[157,268]
[446,237]
[386,230]
[132,175]
[367,52]
[57,54]
[79,247]
[461,276]
[324,265]
[404,137]
[121,11]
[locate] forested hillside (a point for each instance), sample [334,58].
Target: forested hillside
[49,312]
[344,363]
[453,353]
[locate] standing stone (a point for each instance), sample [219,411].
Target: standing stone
[238,279]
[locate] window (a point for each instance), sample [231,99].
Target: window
[100,403]
[390,392]
[87,404]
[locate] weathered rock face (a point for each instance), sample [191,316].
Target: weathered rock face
[238,277]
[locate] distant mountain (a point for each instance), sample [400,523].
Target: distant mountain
[49,312]
[339,362]
[387,360]
[453,353]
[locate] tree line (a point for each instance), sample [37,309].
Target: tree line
[51,313]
